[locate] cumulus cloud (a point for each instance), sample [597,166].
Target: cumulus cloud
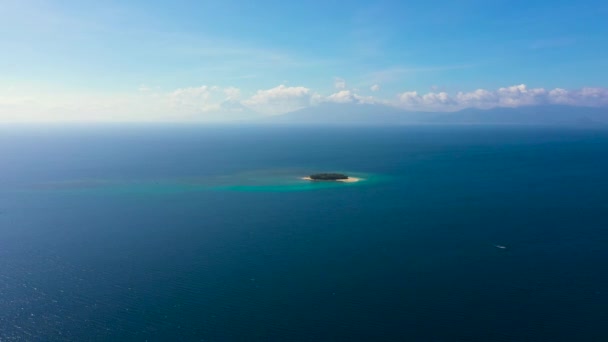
[375,87]
[343,96]
[513,96]
[281,99]
[431,101]
[584,96]
[347,96]
[339,83]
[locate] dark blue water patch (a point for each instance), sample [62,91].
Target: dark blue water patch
[413,258]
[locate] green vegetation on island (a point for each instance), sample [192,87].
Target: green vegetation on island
[328,176]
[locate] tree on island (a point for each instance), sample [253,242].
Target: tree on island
[328,176]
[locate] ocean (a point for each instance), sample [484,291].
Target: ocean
[207,233]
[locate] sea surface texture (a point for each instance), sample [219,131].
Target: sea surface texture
[178,233]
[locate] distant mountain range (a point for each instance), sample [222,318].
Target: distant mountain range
[376,114]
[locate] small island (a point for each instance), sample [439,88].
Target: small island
[335,177]
[328,176]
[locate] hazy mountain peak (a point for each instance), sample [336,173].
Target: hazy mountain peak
[359,113]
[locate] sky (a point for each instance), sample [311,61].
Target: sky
[216,60]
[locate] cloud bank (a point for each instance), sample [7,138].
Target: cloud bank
[513,96]
[209,103]
[281,99]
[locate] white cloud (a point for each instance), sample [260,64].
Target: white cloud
[513,96]
[343,96]
[232,93]
[591,96]
[281,99]
[375,88]
[429,101]
[348,96]
[520,95]
[478,98]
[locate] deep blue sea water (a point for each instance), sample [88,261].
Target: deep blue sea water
[179,233]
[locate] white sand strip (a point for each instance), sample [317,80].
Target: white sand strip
[348,180]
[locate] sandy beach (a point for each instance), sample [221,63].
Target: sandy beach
[348,180]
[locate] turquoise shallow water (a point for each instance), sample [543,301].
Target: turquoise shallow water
[251,181]
[207,233]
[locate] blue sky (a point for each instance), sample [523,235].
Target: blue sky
[186,58]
